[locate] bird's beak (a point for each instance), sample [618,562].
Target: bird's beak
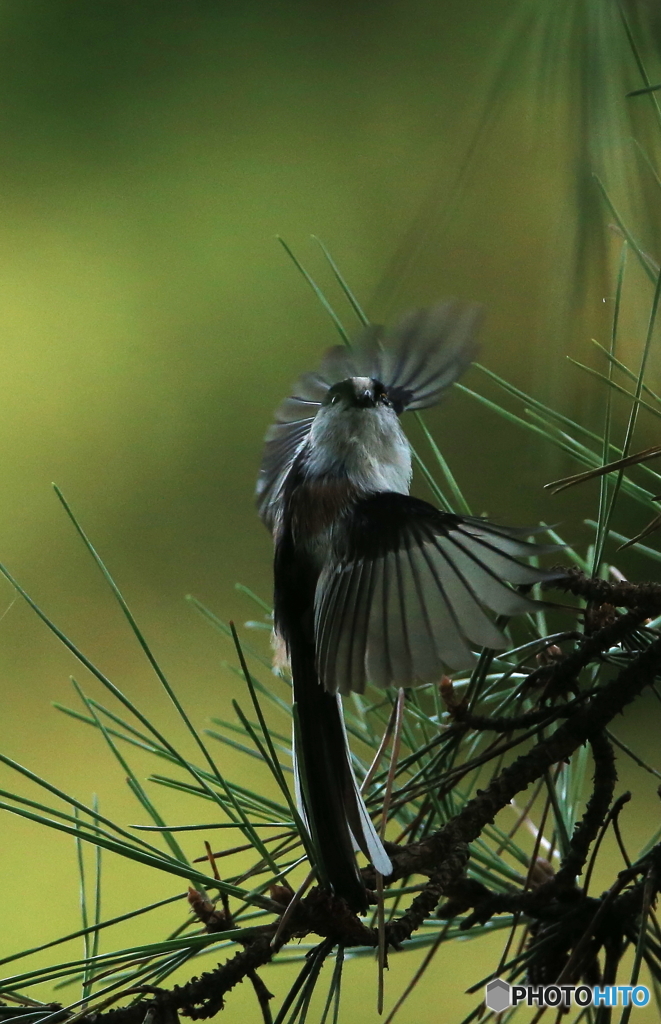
[365,398]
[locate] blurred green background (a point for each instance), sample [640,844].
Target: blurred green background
[150,323]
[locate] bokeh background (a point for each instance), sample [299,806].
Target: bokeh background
[150,154]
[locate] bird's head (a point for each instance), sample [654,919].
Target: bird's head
[358,393]
[356,433]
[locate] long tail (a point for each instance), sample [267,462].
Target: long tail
[327,790]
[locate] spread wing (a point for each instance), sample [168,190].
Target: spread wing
[426,352]
[406,597]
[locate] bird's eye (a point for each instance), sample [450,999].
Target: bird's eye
[383,398]
[335,399]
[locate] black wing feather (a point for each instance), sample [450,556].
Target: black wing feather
[406,592]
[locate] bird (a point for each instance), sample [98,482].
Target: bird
[371,584]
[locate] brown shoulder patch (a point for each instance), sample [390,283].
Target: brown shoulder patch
[316,504]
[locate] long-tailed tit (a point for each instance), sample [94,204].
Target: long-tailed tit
[371,584]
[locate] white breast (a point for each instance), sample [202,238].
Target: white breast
[366,445]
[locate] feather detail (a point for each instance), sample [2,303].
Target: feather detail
[365,836]
[404,593]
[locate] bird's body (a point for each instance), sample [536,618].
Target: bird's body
[372,585]
[352,451]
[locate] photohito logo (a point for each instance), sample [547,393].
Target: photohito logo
[499,995]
